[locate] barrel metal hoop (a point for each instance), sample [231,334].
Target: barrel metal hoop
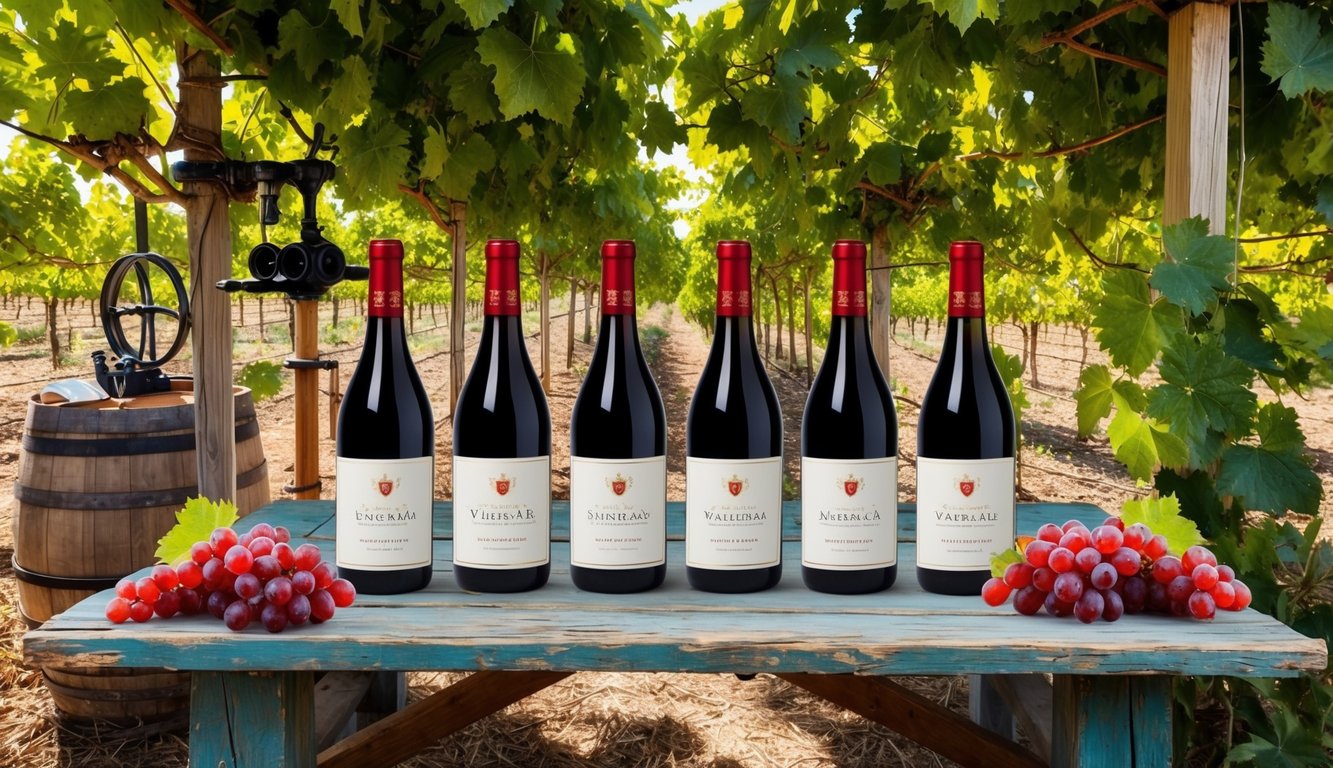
[102,500]
[124,446]
[94,583]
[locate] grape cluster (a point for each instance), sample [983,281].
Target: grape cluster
[254,576]
[1112,570]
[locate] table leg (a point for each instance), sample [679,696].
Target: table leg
[252,719]
[1111,721]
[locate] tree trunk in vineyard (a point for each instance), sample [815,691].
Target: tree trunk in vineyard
[809,332]
[1083,361]
[544,280]
[435,321]
[240,306]
[791,321]
[569,336]
[925,329]
[457,319]
[777,318]
[411,319]
[53,333]
[879,297]
[291,320]
[335,313]
[1032,358]
[1023,331]
[587,314]
[263,331]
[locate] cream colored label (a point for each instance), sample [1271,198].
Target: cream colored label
[617,512]
[849,513]
[502,512]
[733,513]
[383,517]
[964,512]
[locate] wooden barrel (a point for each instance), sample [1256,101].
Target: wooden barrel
[98,485]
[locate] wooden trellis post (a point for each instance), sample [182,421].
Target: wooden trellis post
[1198,64]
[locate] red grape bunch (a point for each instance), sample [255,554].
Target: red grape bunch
[1112,570]
[254,576]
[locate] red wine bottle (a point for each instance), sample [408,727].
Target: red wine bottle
[849,451]
[385,448]
[617,450]
[502,449]
[965,446]
[733,449]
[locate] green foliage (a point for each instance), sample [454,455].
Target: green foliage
[652,338]
[8,335]
[1163,516]
[194,522]
[262,377]
[1298,53]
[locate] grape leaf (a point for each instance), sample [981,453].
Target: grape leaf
[1203,388]
[884,163]
[705,74]
[1131,327]
[194,523]
[1295,54]
[1275,475]
[349,15]
[434,151]
[376,151]
[1243,336]
[1200,267]
[962,13]
[262,377]
[311,49]
[1163,516]
[68,53]
[1324,200]
[473,156]
[482,13]
[1000,561]
[1141,444]
[661,131]
[350,94]
[117,108]
[780,109]
[1092,398]
[546,78]
[470,91]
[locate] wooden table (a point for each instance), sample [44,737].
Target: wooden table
[252,701]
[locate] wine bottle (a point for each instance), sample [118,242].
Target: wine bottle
[849,450]
[502,449]
[617,450]
[965,446]
[733,449]
[385,448]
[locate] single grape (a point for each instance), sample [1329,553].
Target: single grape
[237,616]
[1050,532]
[303,582]
[1195,555]
[1115,605]
[1076,539]
[189,574]
[1061,560]
[239,559]
[324,574]
[1043,579]
[125,588]
[1205,576]
[1038,552]
[1224,594]
[1017,575]
[248,585]
[1089,606]
[245,538]
[1180,589]
[1107,539]
[1158,601]
[1178,609]
[165,577]
[281,534]
[274,617]
[217,603]
[344,592]
[147,590]
[1072,524]
[321,606]
[1087,559]
[1167,568]
[1029,600]
[141,611]
[1225,573]
[1068,587]
[285,554]
[192,602]
[1201,605]
[1155,547]
[1104,576]
[222,539]
[168,604]
[298,609]
[266,567]
[1134,590]
[1136,536]
[117,610]
[1115,522]
[261,545]
[1243,596]
[1127,562]
[307,557]
[1057,607]
[994,591]
[279,590]
[213,570]
[262,529]
[200,552]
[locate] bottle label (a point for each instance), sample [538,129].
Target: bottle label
[502,512]
[849,513]
[383,519]
[964,512]
[617,512]
[733,513]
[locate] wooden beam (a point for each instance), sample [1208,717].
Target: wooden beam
[1029,698]
[336,697]
[259,718]
[1197,86]
[209,237]
[916,717]
[403,734]
[305,476]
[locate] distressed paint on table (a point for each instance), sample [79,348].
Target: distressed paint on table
[273,711]
[903,631]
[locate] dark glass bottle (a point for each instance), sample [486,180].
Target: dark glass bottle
[502,449]
[385,448]
[965,446]
[617,447]
[849,450]
[733,450]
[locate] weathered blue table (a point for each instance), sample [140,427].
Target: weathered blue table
[252,701]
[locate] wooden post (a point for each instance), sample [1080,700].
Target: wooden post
[305,475]
[809,331]
[209,236]
[879,297]
[544,280]
[569,336]
[1198,59]
[457,318]
[259,718]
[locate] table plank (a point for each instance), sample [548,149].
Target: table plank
[241,720]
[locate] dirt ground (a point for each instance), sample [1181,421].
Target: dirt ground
[590,719]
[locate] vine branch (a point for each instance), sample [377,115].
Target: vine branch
[1098,259]
[187,11]
[1068,37]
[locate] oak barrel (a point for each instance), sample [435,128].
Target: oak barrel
[98,485]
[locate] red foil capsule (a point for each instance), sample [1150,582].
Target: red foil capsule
[618,277]
[733,278]
[502,297]
[966,297]
[849,278]
[385,294]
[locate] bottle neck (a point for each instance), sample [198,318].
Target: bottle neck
[849,287]
[385,292]
[966,294]
[618,296]
[502,295]
[733,288]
